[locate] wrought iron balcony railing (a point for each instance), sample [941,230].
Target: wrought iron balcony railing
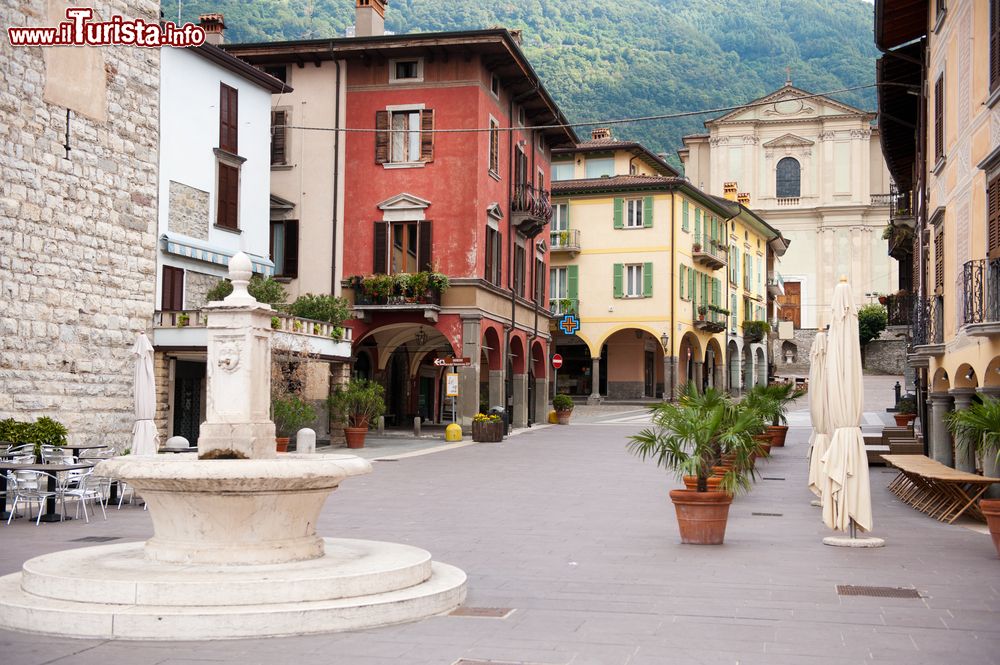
[531,202]
[981,291]
[709,251]
[928,326]
[900,309]
[565,241]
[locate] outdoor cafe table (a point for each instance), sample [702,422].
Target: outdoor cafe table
[77,447]
[50,503]
[937,490]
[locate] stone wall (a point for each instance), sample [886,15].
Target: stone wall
[188,211]
[77,232]
[164,384]
[799,347]
[887,354]
[196,286]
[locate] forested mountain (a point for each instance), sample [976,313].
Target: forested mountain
[605,59]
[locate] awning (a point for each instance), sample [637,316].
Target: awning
[899,75]
[899,21]
[200,250]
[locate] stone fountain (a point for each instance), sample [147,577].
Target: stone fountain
[235,551]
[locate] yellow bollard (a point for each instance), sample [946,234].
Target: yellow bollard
[453,432]
[553,418]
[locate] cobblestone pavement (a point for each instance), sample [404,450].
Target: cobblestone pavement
[579,538]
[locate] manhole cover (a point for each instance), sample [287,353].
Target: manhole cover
[95,539]
[483,613]
[767,514]
[876,591]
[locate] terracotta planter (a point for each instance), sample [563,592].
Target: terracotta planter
[563,417]
[991,509]
[355,436]
[691,483]
[904,419]
[701,516]
[778,434]
[281,444]
[487,432]
[763,444]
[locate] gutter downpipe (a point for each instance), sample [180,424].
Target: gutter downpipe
[336,176]
[673,272]
[511,187]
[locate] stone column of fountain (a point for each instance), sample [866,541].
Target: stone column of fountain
[235,551]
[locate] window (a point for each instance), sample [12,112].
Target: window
[494,255]
[519,269]
[279,153]
[633,213]
[560,217]
[788,179]
[939,120]
[172,296]
[633,281]
[747,309]
[733,311]
[600,167]
[994,45]
[564,289]
[228,118]
[285,247]
[404,136]
[539,279]
[279,72]
[494,147]
[939,259]
[402,247]
[634,218]
[993,218]
[683,282]
[562,170]
[557,283]
[495,85]
[228,196]
[734,264]
[521,120]
[409,70]
[685,214]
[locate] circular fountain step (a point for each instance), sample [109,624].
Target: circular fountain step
[120,575]
[214,616]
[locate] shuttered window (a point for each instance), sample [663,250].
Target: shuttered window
[494,147]
[994,45]
[519,270]
[619,213]
[404,136]
[403,247]
[993,239]
[939,119]
[228,118]
[494,254]
[285,248]
[172,296]
[939,260]
[683,280]
[278,133]
[539,280]
[685,212]
[228,194]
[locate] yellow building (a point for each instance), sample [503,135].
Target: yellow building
[643,258]
[950,54]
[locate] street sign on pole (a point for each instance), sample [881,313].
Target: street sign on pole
[449,361]
[557,361]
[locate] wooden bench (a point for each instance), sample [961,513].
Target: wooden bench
[937,490]
[896,433]
[905,447]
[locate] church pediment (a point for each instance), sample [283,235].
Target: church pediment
[789,141]
[787,103]
[404,201]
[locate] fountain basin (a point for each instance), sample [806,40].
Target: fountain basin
[234,512]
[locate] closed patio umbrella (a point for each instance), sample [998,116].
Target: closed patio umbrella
[144,435]
[846,491]
[819,412]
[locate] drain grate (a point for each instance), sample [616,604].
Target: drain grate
[877,591]
[95,539]
[387,460]
[466,661]
[770,478]
[483,613]
[768,514]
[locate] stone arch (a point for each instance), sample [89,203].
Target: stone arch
[761,367]
[628,326]
[539,363]
[789,353]
[992,375]
[364,366]
[688,354]
[632,359]
[714,365]
[733,361]
[940,383]
[517,355]
[492,348]
[966,377]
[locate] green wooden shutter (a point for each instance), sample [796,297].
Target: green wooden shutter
[619,213]
[716,292]
[566,214]
[573,282]
[692,274]
[733,308]
[647,280]
[697,225]
[685,211]
[647,212]
[682,279]
[619,290]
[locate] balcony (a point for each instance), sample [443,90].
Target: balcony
[928,327]
[712,321]
[188,329]
[900,309]
[787,202]
[775,283]
[884,200]
[901,205]
[402,292]
[530,209]
[564,306]
[709,252]
[981,297]
[565,241]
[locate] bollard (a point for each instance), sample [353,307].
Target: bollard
[453,432]
[305,441]
[416,426]
[898,388]
[177,442]
[381,425]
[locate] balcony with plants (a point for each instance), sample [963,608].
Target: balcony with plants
[564,306]
[755,331]
[711,318]
[567,240]
[419,291]
[775,283]
[709,252]
[530,209]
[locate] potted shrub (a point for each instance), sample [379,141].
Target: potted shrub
[754,331]
[702,311]
[772,402]
[487,428]
[290,413]
[687,438]
[356,405]
[275,322]
[337,333]
[183,320]
[563,404]
[696,247]
[978,428]
[906,411]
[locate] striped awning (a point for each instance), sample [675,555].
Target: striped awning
[204,251]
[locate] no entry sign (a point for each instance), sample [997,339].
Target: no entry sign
[557,361]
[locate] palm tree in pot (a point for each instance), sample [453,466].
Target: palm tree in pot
[356,405]
[978,428]
[772,403]
[688,438]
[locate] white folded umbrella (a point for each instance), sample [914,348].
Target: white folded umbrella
[144,434]
[819,412]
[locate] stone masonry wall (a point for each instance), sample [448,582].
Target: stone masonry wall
[77,234]
[801,344]
[188,211]
[196,286]
[887,354]
[161,371]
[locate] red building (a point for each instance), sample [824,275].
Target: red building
[445,174]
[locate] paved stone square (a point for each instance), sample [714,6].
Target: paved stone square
[579,539]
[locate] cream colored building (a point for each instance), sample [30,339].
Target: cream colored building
[813,169]
[643,258]
[951,54]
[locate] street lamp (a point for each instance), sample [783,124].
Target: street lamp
[667,376]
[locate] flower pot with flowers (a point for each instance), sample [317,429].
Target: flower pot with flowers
[487,428]
[563,405]
[357,404]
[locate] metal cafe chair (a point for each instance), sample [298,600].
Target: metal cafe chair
[30,487]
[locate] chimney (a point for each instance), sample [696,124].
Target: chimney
[744,198]
[600,133]
[729,190]
[369,18]
[214,26]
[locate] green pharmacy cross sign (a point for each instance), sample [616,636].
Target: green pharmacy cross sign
[569,324]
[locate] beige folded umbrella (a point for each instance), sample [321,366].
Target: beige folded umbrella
[819,412]
[846,492]
[144,434]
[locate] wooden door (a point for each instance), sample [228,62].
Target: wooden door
[791,303]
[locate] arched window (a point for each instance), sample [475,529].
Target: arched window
[789,179]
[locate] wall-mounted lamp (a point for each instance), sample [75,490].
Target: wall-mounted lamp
[665,340]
